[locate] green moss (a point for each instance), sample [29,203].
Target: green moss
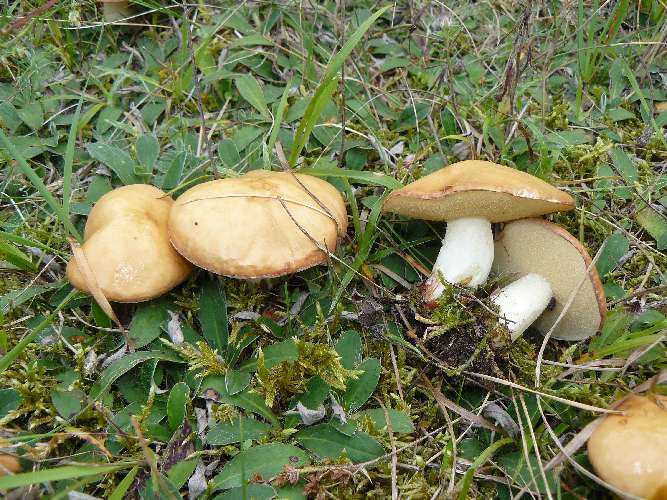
[288,378]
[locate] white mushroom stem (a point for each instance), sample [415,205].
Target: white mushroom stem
[522,302]
[115,10]
[465,257]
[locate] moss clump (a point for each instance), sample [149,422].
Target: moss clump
[201,359]
[287,378]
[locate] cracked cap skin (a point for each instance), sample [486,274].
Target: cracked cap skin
[259,225]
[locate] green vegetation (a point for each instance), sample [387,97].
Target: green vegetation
[332,383]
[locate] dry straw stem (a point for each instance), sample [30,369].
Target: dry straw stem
[93,286]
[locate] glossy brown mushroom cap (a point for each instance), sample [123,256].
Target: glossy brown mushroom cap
[259,225]
[538,246]
[477,189]
[127,246]
[629,451]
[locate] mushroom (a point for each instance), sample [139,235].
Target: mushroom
[127,248]
[550,262]
[9,464]
[469,196]
[260,225]
[629,451]
[115,10]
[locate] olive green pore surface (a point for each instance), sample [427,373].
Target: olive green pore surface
[491,205]
[537,246]
[475,188]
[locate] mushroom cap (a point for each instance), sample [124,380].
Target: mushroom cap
[629,451]
[477,189]
[127,246]
[538,246]
[9,464]
[259,225]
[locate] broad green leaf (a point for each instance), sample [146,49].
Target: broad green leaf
[348,348]
[125,364]
[174,173]
[266,461]
[327,442]
[359,390]
[177,404]
[400,422]
[252,92]
[180,472]
[32,115]
[616,246]
[60,474]
[17,297]
[16,257]
[515,466]
[411,115]
[619,114]
[248,492]
[247,400]
[358,176]
[116,159]
[279,352]
[145,326]
[655,224]
[228,154]
[147,150]
[10,400]
[237,431]
[213,314]
[568,138]
[236,381]
[68,403]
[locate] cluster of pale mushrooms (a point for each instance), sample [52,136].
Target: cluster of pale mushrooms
[139,244]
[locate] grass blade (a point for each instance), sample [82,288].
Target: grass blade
[327,86]
[60,474]
[40,186]
[9,358]
[69,159]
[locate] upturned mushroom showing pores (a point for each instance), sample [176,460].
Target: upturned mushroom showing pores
[127,247]
[260,225]
[469,196]
[538,247]
[629,451]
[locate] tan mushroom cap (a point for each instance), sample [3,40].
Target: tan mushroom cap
[477,189]
[9,464]
[538,246]
[127,246]
[259,225]
[629,451]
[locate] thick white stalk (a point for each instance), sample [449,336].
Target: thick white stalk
[522,302]
[465,257]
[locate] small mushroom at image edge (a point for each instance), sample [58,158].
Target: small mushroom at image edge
[470,196]
[262,224]
[550,264]
[629,451]
[115,10]
[127,247]
[9,464]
